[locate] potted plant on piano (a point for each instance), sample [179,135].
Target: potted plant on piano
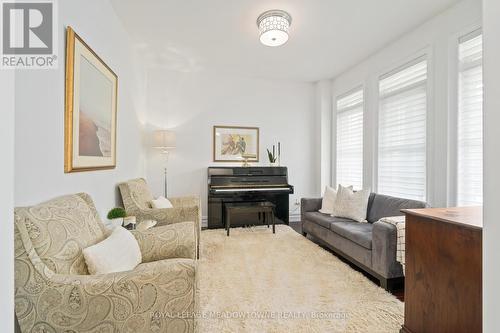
[274,159]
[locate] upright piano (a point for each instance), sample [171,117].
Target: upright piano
[247,184]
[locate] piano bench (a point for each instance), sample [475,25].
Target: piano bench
[264,208]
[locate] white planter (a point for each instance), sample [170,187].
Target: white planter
[274,164]
[118,222]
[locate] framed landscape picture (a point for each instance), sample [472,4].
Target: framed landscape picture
[235,144]
[90,115]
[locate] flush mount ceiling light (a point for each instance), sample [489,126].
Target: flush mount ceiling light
[273,27]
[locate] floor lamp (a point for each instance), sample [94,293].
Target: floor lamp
[164,140]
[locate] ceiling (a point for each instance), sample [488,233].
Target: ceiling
[326,36]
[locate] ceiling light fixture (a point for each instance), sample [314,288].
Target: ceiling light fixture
[273,27]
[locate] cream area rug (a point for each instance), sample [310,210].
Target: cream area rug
[257,281]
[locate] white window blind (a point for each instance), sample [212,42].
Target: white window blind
[349,151]
[402,132]
[470,121]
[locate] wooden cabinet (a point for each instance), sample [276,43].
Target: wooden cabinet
[443,281]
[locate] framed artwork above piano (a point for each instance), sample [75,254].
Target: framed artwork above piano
[247,184]
[236,143]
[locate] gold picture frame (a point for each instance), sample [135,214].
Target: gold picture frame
[235,144]
[91,93]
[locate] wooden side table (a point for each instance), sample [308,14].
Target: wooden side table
[262,208]
[443,282]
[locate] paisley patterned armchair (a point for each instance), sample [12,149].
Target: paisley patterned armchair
[137,201]
[55,293]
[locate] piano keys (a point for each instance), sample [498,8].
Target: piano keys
[247,184]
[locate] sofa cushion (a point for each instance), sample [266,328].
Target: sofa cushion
[359,233]
[384,206]
[334,241]
[323,220]
[370,204]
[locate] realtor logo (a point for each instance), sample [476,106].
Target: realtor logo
[28,34]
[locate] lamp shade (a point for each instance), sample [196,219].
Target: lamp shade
[164,139]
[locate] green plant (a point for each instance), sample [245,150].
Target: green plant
[271,155]
[116,213]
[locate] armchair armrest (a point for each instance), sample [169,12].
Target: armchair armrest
[185,201]
[118,302]
[309,205]
[168,241]
[194,204]
[185,209]
[384,245]
[170,215]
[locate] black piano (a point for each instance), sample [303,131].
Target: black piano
[247,184]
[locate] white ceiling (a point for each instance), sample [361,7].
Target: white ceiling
[326,36]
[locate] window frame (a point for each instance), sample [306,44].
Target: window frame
[453,109]
[423,54]
[359,87]
[452,121]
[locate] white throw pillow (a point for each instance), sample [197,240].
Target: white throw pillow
[328,202]
[117,253]
[161,202]
[350,204]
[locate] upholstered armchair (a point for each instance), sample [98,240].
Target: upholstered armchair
[55,293]
[137,199]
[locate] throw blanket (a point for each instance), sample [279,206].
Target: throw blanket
[399,222]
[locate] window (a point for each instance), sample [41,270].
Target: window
[470,121]
[350,139]
[402,132]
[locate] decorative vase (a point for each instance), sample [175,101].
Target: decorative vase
[273,164]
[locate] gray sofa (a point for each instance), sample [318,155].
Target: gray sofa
[370,246]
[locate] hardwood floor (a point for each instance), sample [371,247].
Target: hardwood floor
[399,293]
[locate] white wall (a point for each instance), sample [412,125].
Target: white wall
[7,201]
[436,37]
[491,223]
[39,156]
[324,134]
[192,103]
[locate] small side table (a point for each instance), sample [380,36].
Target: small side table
[129,222]
[262,208]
